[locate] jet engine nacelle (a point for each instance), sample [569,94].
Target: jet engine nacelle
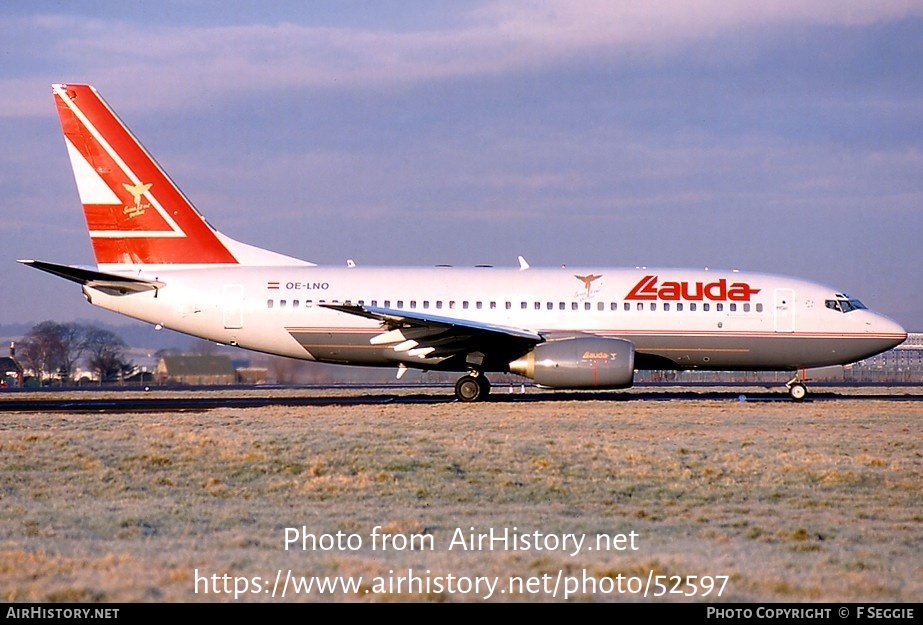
[581,362]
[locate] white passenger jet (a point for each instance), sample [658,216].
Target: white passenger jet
[159,261]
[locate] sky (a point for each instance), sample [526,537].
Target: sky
[780,136]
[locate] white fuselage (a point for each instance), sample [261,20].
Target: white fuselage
[676,318]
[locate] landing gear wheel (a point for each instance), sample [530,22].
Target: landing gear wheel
[797,391]
[484,383]
[469,388]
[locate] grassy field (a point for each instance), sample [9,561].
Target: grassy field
[692,500]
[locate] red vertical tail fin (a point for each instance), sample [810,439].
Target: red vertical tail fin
[135,214]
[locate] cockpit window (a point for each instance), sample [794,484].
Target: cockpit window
[845,305]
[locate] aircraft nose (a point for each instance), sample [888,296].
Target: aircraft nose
[889,330]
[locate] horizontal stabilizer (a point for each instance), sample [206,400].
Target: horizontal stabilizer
[109,282]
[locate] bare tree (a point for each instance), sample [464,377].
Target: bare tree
[105,353]
[73,340]
[53,349]
[43,349]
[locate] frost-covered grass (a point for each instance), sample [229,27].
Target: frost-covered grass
[792,502]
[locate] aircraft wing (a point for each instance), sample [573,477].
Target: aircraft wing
[433,337]
[114,284]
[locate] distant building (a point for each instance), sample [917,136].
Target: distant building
[903,363]
[11,373]
[252,375]
[196,370]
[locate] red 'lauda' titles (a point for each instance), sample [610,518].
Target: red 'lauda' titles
[717,291]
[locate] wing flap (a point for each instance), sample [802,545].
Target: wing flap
[416,319]
[429,337]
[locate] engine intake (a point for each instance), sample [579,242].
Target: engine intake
[582,362]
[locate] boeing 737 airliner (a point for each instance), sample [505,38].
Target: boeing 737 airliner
[159,261]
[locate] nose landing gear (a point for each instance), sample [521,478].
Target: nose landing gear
[796,388]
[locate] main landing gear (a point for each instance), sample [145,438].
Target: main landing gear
[796,388]
[472,387]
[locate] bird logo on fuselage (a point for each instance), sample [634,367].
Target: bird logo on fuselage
[588,281]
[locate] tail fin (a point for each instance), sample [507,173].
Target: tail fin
[135,214]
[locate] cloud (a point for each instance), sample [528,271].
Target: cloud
[195,64]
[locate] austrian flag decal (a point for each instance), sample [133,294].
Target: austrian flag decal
[717,291]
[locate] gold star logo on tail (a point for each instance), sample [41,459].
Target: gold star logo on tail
[136,190]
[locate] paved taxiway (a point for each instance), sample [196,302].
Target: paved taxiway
[208,398]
